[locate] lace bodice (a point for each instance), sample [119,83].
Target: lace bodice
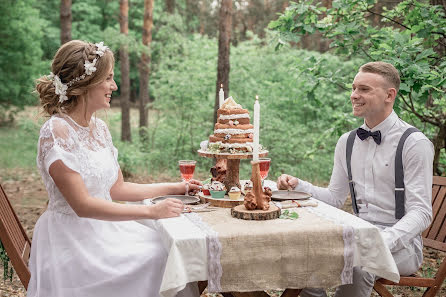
[86,150]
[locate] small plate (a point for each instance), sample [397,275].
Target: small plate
[184,198]
[289,195]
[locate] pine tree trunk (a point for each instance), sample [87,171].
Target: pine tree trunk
[440,139]
[65,21]
[224,38]
[202,16]
[440,48]
[170,6]
[144,70]
[439,144]
[125,73]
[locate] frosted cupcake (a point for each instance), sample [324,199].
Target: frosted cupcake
[205,189]
[217,189]
[247,186]
[234,193]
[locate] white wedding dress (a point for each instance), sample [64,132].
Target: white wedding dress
[81,257]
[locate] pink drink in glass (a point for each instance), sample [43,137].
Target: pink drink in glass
[264,167]
[187,168]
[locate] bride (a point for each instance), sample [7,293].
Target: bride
[84,244]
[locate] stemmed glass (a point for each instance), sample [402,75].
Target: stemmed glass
[187,168]
[264,167]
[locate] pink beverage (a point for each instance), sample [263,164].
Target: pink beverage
[264,167]
[187,169]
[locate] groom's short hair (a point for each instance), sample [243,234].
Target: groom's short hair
[386,70]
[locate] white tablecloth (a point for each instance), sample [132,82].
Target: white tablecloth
[188,247]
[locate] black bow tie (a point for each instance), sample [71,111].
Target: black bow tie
[363,134]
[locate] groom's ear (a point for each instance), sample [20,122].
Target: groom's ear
[391,95]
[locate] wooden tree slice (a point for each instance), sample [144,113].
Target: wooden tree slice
[240,212]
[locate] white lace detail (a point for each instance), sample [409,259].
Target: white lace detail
[86,150]
[214,253]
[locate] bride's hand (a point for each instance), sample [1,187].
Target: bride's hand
[168,208]
[194,186]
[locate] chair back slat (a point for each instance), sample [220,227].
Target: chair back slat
[436,204]
[435,235]
[435,189]
[11,227]
[14,239]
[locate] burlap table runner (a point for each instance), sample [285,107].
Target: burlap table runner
[281,253]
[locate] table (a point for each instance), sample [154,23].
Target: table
[319,249]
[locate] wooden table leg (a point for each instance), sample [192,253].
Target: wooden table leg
[232,174]
[250,294]
[202,285]
[291,293]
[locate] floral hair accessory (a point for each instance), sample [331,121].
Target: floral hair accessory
[61,88]
[90,67]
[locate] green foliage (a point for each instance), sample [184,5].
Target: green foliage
[20,146]
[8,272]
[410,33]
[289,215]
[183,88]
[181,115]
[20,52]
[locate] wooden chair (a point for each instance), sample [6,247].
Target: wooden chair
[14,239]
[434,237]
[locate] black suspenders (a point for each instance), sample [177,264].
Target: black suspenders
[399,172]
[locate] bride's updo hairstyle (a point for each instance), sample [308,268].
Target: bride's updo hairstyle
[60,91]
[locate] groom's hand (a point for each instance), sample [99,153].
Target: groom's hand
[287,182]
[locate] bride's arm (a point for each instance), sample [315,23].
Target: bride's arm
[126,191]
[72,187]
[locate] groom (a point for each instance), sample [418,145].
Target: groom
[386,166]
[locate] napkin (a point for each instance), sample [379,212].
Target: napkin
[296,203]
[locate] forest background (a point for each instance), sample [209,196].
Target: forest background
[298,57]
[304,86]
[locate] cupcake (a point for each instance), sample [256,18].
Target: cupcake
[234,193]
[247,186]
[217,189]
[205,189]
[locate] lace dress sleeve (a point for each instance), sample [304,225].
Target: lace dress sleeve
[58,141]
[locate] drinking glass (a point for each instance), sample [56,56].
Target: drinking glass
[264,167]
[187,168]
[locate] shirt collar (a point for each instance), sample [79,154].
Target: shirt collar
[385,125]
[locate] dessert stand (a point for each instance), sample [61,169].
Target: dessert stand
[231,178]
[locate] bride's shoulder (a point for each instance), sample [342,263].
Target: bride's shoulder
[55,125]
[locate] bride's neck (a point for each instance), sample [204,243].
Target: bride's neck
[80,115]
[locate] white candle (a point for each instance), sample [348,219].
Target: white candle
[221,96]
[255,153]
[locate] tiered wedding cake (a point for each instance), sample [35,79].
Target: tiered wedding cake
[233,132]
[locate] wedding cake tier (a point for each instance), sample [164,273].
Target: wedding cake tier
[233,132]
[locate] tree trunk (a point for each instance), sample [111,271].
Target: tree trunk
[224,39]
[65,21]
[202,16]
[439,144]
[440,48]
[125,73]
[189,13]
[144,70]
[170,6]
[440,139]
